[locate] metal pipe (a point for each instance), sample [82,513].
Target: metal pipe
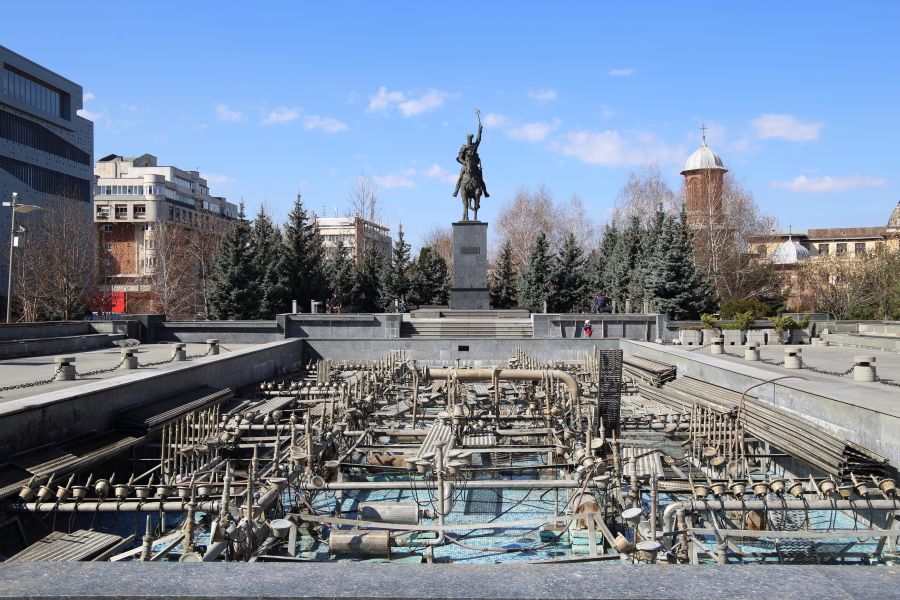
[112,506]
[781,504]
[429,374]
[486,484]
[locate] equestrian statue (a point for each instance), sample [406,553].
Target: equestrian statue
[471,180]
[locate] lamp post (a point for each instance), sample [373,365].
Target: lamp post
[24,209]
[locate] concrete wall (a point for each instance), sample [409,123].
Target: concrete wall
[860,414]
[60,337]
[90,407]
[628,326]
[57,345]
[361,326]
[244,332]
[470,352]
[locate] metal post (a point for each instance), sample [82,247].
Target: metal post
[12,241]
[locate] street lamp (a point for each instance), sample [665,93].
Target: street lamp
[16,208]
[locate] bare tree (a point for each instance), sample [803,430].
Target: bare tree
[440,239]
[838,285]
[523,217]
[573,217]
[724,221]
[203,245]
[642,193]
[61,259]
[363,200]
[174,274]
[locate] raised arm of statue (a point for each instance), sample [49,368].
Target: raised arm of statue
[478,139]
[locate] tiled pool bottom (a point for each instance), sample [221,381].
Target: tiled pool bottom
[477,506]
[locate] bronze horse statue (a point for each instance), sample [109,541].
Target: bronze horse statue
[471,186]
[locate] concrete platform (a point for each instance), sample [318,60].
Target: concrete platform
[25,370]
[393,581]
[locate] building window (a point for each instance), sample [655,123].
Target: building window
[841,249]
[34,94]
[823,249]
[761,251]
[107,229]
[859,248]
[22,131]
[140,211]
[47,180]
[102,212]
[121,211]
[107,246]
[148,243]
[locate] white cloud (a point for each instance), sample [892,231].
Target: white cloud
[327,124]
[90,115]
[607,112]
[611,149]
[543,95]
[428,101]
[436,171]
[215,179]
[383,99]
[403,179]
[537,131]
[495,120]
[228,114]
[804,184]
[408,104]
[621,72]
[282,114]
[88,96]
[786,127]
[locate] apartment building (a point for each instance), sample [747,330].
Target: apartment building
[135,199]
[356,234]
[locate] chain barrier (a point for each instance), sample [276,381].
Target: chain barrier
[701,347]
[157,363]
[31,384]
[208,350]
[888,382]
[100,371]
[826,372]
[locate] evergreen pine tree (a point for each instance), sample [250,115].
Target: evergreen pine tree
[269,267]
[678,288]
[340,275]
[504,279]
[652,251]
[395,280]
[367,279]
[231,293]
[603,265]
[569,284]
[430,280]
[535,285]
[305,256]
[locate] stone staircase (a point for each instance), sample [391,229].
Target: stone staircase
[467,328]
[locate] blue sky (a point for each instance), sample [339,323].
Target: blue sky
[267,98]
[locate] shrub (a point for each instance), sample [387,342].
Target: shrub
[732,308]
[781,323]
[744,320]
[730,327]
[709,321]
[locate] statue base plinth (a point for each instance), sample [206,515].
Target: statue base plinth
[469,290]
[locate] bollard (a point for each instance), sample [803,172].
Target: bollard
[178,352]
[863,368]
[752,351]
[792,358]
[718,345]
[66,368]
[212,347]
[129,360]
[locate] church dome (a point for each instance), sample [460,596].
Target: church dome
[704,158]
[789,252]
[893,224]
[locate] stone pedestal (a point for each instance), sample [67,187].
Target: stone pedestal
[469,290]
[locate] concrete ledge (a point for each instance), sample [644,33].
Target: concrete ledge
[35,420]
[243,332]
[311,581]
[870,417]
[870,342]
[57,345]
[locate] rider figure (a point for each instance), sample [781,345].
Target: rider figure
[468,151]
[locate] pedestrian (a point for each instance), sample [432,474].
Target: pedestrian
[588,329]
